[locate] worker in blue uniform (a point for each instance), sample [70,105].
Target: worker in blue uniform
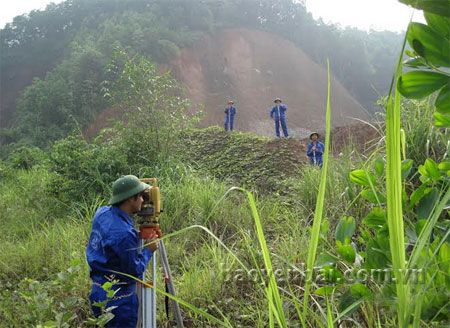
[315,150]
[278,113]
[230,111]
[114,245]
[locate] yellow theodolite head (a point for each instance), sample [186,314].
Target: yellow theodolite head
[151,208]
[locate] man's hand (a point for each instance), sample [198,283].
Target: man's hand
[153,246]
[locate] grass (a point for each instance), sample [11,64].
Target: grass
[50,235]
[263,232]
[394,202]
[318,213]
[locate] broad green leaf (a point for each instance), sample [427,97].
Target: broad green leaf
[359,290]
[429,44]
[427,203]
[374,198]
[444,256]
[345,229]
[406,168]
[379,166]
[432,169]
[444,166]
[442,102]
[365,234]
[376,258]
[419,84]
[347,252]
[417,195]
[439,24]
[331,274]
[441,120]
[376,218]
[362,177]
[382,239]
[419,226]
[325,290]
[346,301]
[326,259]
[438,7]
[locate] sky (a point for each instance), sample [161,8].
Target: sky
[363,14]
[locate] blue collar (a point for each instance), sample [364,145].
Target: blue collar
[118,211]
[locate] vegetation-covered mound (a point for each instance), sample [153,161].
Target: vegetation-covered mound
[243,158]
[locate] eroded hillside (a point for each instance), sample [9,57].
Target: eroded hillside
[252,68]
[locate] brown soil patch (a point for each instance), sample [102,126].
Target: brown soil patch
[252,68]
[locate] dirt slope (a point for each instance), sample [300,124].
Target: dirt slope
[252,68]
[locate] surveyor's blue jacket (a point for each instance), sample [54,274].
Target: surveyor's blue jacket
[113,245]
[229,117]
[316,156]
[278,114]
[230,111]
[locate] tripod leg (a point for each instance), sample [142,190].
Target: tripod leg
[153,291]
[147,295]
[168,275]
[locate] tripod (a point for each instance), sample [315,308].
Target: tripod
[148,226]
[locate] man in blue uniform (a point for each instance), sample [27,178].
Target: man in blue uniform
[114,245]
[230,111]
[315,150]
[278,113]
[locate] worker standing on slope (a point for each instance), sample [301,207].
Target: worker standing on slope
[114,245]
[315,150]
[230,111]
[278,114]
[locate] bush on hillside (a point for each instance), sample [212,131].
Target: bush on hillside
[26,158]
[84,169]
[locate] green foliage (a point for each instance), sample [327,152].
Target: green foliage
[52,303]
[157,113]
[431,46]
[84,170]
[69,97]
[356,231]
[438,7]
[66,46]
[26,158]
[242,158]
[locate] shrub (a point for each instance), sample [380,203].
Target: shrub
[83,169]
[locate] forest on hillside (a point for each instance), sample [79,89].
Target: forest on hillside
[54,61]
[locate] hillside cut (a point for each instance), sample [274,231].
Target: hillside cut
[252,68]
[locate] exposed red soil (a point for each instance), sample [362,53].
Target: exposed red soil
[252,68]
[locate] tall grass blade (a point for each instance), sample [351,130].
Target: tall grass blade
[394,198]
[318,213]
[273,295]
[329,314]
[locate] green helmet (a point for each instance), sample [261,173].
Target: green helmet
[126,187]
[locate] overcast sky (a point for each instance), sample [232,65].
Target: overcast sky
[363,14]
